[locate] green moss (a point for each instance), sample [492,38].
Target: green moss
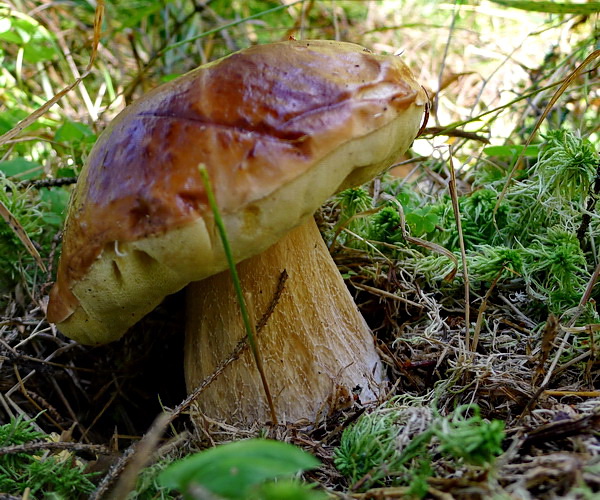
[43,474]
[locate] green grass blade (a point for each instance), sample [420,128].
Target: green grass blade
[552,7]
[237,285]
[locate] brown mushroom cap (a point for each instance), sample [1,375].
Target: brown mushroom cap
[280,128]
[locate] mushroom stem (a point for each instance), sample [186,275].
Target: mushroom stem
[317,350]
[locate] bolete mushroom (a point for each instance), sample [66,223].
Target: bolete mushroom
[280,128]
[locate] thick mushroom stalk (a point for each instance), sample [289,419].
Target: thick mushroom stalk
[317,350]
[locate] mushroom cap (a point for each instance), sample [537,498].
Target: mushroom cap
[280,128]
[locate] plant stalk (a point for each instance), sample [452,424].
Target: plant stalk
[248,324]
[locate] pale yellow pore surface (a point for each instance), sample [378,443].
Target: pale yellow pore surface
[317,351]
[128,280]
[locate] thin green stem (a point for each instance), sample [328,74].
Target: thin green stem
[237,285]
[463,252]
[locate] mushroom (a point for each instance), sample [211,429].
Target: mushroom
[280,128]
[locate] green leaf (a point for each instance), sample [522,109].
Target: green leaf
[512,150]
[422,221]
[233,469]
[406,199]
[29,34]
[65,172]
[57,200]
[8,119]
[10,36]
[169,77]
[74,132]
[21,168]
[38,50]
[25,25]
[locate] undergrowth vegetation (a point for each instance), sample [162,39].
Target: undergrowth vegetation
[538,238]
[475,260]
[397,442]
[41,475]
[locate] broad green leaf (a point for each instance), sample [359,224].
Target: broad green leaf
[404,199]
[233,469]
[74,132]
[8,119]
[422,221]
[25,25]
[20,168]
[37,50]
[10,36]
[551,7]
[29,34]
[429,222]
[65,172]
[24,35]
[57,200]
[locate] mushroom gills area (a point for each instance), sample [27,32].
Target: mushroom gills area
[317,350]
